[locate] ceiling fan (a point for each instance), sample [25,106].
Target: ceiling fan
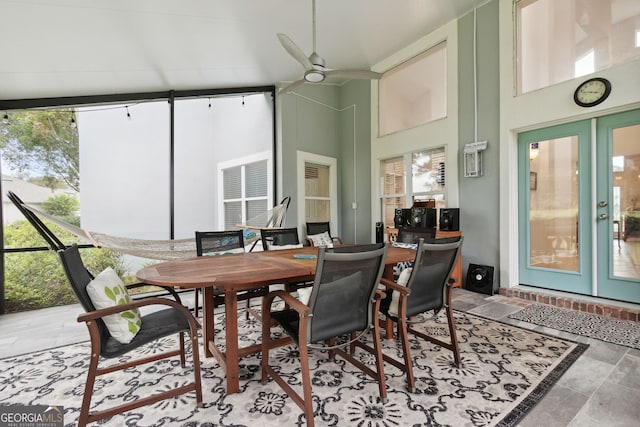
[314,69]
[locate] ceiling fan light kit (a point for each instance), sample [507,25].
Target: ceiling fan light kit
[314,76]
[314,65]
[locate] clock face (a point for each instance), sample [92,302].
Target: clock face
[592,92]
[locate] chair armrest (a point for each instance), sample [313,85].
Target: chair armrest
[390,284]
[290,300]
[98,314]
[169,289]
[379,295]
[336,239]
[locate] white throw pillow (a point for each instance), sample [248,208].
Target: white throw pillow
[283,247]
[322,239]
[107,290]
[225,252]
[395,295]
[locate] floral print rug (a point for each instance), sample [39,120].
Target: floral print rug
[505,371]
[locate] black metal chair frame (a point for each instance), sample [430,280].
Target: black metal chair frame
[279,237]
[218,297]
[321,227]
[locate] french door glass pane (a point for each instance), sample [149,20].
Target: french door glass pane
[626,179]
[554,201]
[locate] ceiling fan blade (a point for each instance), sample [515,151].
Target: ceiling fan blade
[294,51]
[353,74]
[292,86]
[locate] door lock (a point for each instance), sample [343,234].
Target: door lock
[603,204]
[603,216]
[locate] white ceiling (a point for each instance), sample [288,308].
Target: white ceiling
[51,48]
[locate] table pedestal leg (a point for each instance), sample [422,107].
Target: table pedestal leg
[231,322]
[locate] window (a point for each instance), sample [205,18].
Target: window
[245,190]
[393,188]
[427,181]
[561,40]
[316,198]
[415,92]
[318,187]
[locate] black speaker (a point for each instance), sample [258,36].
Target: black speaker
[418,217]
[423,217]
[450,219]
[480,279]
[406,217]
[379,232]
[432,218]
[398,219]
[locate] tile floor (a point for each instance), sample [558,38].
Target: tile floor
[601,389]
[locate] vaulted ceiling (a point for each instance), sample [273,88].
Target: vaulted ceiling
[53,48]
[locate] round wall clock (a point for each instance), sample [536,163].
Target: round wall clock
[592,92]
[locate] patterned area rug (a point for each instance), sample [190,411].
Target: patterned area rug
[505,371]
[621,332]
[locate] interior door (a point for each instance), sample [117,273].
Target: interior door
[555,226]
[618,206]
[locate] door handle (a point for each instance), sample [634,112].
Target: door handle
[603,216]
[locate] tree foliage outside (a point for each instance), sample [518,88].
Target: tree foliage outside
[64,206]
[36,279]
[42,146]
[43,143]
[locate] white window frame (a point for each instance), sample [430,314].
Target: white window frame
[304,157]
[242,161]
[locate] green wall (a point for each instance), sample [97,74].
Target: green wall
[319,119]
[311,127]
[479,197]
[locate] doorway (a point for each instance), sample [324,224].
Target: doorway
[579,204]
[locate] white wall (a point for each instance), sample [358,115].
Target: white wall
[124,164]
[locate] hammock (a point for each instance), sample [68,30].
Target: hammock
[153,249]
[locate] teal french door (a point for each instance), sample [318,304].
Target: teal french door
[618,206]
[579,207]
[554,207]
